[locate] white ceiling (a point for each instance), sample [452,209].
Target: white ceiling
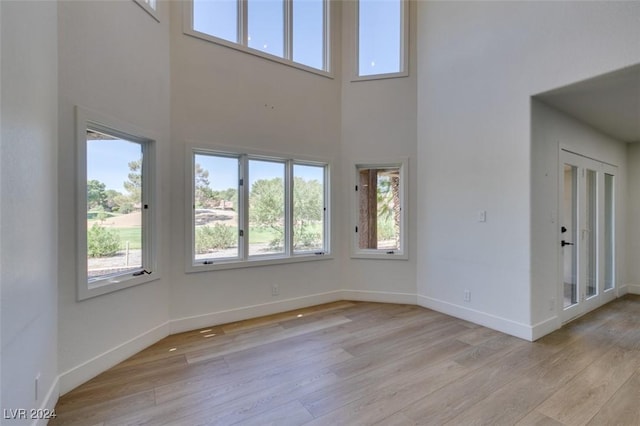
[609,103]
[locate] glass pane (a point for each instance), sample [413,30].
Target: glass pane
[591,234]
[114,206]
[266,26]
[216,207]
[308,33]
[570,221]
[380,209]
[609,237]
[308,208]
[218,18]
[379,36]
[266,207]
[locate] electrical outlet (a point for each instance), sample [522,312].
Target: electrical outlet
[467,295]
[482,216]
[275,290]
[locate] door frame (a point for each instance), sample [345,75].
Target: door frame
[567,155]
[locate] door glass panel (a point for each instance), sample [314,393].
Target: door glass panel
[591,234]
[570,221]
[609,238]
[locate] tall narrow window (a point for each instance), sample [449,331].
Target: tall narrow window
[266,207]
[609,233]
[115,208]
[308,33]
[382,37]
[215,207]
[250,210]
[309,208]
[380,213]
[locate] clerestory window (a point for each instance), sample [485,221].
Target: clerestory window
[295,32]
[382,39]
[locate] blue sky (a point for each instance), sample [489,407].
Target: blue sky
[379,30]
[108,161]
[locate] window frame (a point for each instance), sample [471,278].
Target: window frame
[149,6]
[404,46]
[242,44]
[90,120]
[244,259]
[402,253]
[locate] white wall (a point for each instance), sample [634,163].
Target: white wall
[550,130]
[633,224]
[478,65]
[28,213]
[378,124]
[221,96]
[114,59]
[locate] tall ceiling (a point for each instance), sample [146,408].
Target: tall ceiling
[609,103]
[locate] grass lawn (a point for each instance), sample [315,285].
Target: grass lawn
[132,235]
[257,235]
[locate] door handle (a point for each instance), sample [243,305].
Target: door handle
[566,243]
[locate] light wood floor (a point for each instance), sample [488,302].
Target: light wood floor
[368,363]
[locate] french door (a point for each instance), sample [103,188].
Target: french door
[587,234]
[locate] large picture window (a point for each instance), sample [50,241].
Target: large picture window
[250,210]
[380,213]
[382,38]
[294,32]
[115,204]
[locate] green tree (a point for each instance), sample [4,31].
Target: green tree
[308,211]
[204,195]
[266,210]
[96,194]
[134,184]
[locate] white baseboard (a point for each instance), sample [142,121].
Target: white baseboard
[545,327]
[49,402]
[380,296]
[222,317]
[504,325]
[96,365]
[633,288]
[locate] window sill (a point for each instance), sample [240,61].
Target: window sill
[359,78]
[238,264]
[380,255]
[98,288]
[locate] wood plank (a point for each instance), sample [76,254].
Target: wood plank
[373,363]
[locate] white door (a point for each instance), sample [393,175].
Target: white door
[587,234]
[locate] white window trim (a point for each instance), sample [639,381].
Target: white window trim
[187,28]
[403,251]
[148,8]
[89,119]
[244,259]
[404,47]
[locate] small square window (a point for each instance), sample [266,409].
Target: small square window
[380,211]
